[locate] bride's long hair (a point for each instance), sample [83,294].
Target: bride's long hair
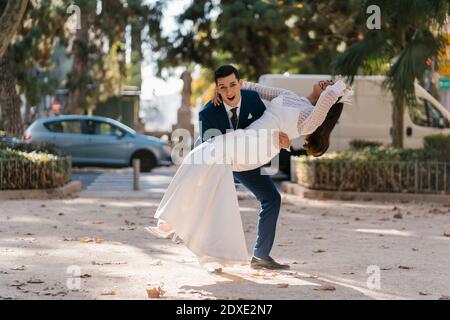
[318,142]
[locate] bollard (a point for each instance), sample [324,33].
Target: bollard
[136,172]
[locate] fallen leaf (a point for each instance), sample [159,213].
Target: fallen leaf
[95,239]
[398,216]
[325,287]
[127,228]
[424,293]
[447,234]
[69,239]
[444,297]
[108,293]
[35,281]
[282,285]
[19,268]
[98,240]
[156,263]
[436,211]
[95,263]
[84,276]
[262,273]
[155,293]
[319,238]
[85,240]
[319,251]
[17,284]
[404,267]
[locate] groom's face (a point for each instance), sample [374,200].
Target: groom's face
[229,88]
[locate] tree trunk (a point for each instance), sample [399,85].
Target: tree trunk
[79,79]
[184,113]
[398,109]
[9,99]
[9,22]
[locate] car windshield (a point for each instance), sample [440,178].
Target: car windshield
[125,127]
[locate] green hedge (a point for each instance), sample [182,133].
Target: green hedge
[361,144]
[384,154]
[24,167]
[439,144]
[376,169]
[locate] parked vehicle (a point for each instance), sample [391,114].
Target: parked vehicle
[95,140]
[370,115]
[7,141]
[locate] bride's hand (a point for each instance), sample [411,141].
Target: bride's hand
[283,140]
[339,87]
[217,100]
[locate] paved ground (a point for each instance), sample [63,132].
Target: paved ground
[95,248]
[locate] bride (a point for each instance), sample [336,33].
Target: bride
[200,205]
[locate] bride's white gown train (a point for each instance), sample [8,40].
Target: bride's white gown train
[201,202]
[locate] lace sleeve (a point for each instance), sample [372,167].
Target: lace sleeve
[265,92]
[323,105]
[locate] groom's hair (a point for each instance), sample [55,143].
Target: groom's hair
[225,71]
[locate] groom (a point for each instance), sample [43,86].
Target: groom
[239,108]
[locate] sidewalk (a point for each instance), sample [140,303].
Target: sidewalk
[96,248]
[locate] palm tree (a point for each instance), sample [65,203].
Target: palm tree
[410,34]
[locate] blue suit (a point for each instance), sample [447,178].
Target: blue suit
[262,186]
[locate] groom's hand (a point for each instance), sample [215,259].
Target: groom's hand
[283,140]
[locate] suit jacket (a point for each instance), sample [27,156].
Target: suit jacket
[212,117]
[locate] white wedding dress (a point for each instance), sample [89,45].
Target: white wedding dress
[201,202]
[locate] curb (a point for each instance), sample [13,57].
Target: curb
[305,193]
[64,191]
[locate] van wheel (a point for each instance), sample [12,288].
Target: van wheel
[147,158]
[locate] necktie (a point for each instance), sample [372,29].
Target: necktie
[234,118]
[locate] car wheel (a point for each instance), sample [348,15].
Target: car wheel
[147,158]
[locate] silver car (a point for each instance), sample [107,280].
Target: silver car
[95,140]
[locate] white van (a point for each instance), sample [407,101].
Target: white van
[370,115]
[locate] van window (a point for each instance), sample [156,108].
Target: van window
[67,126]
[426,115]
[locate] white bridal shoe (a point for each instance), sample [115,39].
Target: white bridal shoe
[157,232]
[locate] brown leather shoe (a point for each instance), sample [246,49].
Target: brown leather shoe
[269,263]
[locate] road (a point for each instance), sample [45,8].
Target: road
[93,246]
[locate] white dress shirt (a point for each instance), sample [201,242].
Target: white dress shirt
[230,114]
